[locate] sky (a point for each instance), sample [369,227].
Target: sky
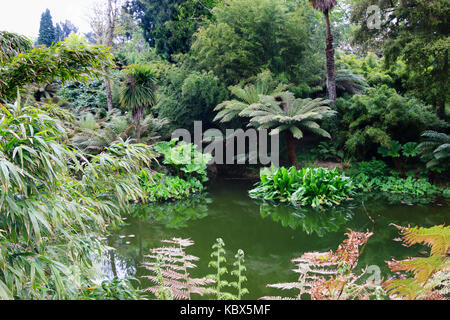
[23,16]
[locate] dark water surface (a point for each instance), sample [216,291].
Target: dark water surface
[269,235]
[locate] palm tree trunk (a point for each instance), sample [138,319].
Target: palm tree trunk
[290,143]
[329,52]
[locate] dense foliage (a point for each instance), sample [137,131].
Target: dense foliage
[168,25]
[417,32]
[54,203]
[85,138]
[365,122]
[244,37]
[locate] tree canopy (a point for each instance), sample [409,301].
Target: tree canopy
[417,32]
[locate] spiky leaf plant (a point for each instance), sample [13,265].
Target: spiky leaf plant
[431,278]
[329,275]
[170,271]
[138,93]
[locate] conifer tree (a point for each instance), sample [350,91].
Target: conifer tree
[46,30]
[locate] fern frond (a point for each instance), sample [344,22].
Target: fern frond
[169,267]
[436,237]
[327,275]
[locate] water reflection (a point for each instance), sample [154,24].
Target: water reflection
[270,235]
[175,215]
[309,220]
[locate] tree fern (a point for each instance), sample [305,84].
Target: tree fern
[349,82]
[284,113]
[435,148]
[247,96]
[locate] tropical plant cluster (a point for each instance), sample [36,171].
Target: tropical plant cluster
[314,187]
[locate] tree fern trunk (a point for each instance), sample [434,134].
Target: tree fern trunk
[329,52]
[290,143]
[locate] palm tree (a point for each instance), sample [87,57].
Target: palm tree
[326,6]
[284,113]
[138,93]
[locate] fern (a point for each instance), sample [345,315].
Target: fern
[217,263]
[349,82]
[328,275]
[239,273]
[436,237]
[435,148]
[431,275]
[170,265]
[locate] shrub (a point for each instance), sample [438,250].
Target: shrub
[186,97]
[315,187]
[366,122]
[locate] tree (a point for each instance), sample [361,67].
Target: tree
[47,34]
[103,21]
[64,29]
[247,36]
[325,6]
[168,25]
[415,31]
[284,113]
[138,93]
[43,65]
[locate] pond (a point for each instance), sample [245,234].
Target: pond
[269,235]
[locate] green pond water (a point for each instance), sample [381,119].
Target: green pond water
[269,235]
